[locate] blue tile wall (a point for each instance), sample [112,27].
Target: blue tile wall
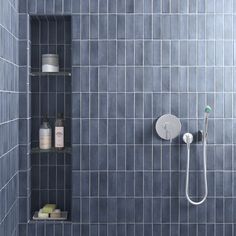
[132,61]
[9,118]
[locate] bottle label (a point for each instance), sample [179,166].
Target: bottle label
[45,137]
[59,137]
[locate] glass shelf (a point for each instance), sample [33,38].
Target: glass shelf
[50,73]
[52,150]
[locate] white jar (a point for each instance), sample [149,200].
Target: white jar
[50,63]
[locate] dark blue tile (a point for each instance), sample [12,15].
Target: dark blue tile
[138,210]
[121,210]
[130,210]
[76,6]
[103,210]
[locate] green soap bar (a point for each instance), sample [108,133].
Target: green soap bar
[49,208]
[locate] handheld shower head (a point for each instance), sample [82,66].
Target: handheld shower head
[208,109]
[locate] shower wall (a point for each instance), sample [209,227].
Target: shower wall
[134,60]
[9,118]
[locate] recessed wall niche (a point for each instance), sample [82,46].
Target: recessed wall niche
[50,95]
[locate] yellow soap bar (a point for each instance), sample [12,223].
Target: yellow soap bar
[49,208]
[42,215]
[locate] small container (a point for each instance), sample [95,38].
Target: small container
[45,135]
[56,214]
[59,132]
[50,63]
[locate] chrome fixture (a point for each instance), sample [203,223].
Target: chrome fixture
[168,127]
[188,139]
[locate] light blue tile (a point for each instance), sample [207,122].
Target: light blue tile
[166,6]
[148,79]
[148,6]
[228,6]
[174,26]
[228,53]
[111,53]
[84,27]
[94,53]
[192,27]
[148,26]
[210,26]
[148,53]
[192,48]
[157,6]
[165,53]
[103,26]
[139,26]
[129,53]
[156,53]
[102,53]
[183,6]
[75,55]
[93,26]
[93,6]
[201,26]
[120,52]
[121,26]
[58,7]
[130,26]
[139,6]
[219,26]
[120,6]
[112,6]
[166,27]
[76,6]
[94,105]
[210,79]
[138,53]
[193,6]
[156,27]
[201,6]
[112,79]
[40,6]
[130,105]
[84,49]
[183,53]
[112,18]
[228,20]
[129,6]
[103,6]
[121,79]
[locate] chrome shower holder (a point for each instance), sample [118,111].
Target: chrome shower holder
[188,139]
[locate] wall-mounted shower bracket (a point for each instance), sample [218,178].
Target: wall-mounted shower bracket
[200,136]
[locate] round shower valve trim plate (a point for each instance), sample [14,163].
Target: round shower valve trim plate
[168,126]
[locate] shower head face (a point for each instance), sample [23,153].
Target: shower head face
[208,109]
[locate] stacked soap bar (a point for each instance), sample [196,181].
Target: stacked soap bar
[49,210]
